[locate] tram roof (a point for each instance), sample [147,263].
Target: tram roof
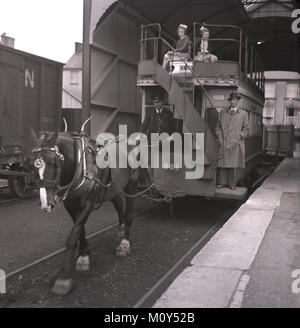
[279,47]
[171,13]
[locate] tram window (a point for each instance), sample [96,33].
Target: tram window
[290,112]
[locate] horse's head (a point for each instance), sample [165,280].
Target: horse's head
[48,160]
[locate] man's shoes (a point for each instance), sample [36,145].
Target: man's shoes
[232,187]
[219,186]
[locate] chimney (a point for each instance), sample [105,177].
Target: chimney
[7,41]
[78,47]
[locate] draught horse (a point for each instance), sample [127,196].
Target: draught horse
[65,169]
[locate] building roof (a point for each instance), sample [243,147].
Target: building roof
[75,62]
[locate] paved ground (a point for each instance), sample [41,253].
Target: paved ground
[271,273]
[241,252]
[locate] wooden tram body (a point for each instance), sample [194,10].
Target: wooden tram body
[197,91]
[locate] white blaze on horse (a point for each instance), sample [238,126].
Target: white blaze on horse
[66,170]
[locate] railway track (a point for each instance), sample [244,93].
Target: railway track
[9,199]
[61,250]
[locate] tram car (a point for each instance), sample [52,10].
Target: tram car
[197,90]
[30,98]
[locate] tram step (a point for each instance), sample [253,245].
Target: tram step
[238,193]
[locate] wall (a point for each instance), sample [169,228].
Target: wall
[115,98]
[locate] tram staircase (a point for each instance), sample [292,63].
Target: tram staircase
[183,107]
[192,121]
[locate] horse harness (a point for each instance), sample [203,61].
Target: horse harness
[85,178]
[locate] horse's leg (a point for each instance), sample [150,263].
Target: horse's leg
[83,260]
[124,247]
[119,205]
[64,283]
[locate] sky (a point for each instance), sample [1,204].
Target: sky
[47,28]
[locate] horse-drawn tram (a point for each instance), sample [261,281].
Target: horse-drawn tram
[196,87]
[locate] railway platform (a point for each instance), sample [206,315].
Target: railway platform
[254,259]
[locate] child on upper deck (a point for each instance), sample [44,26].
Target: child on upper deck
[182,47]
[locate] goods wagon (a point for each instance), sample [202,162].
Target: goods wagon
[30,98]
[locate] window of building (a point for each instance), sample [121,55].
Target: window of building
[292,90]
[74,78]
[270,89]
[292,117]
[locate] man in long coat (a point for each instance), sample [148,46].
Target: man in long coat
[231,131]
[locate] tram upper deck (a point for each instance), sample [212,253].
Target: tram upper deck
[238,60]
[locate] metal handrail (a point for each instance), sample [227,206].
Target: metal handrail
[143,27]
[218,25]
[185,62]
[144,37]
[239,41]
[255,59]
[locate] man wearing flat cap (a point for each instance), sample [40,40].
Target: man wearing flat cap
[158,118]
[231,131]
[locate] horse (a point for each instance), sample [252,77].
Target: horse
[66,170]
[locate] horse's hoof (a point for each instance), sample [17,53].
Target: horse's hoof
[83,263]
[62,287]
[124,248]
[121,230]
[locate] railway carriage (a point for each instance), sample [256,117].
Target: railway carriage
[196,91]
[30,97]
